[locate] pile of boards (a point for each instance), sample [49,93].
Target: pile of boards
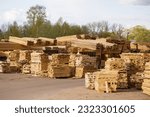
[83,64]
[146,81]
[58,66]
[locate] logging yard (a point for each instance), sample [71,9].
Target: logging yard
[74,67]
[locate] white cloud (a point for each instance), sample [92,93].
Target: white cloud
[12,15]
[136,2]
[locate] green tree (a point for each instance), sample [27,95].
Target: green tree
[139,33]
[36,17]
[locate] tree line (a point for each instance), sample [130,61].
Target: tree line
[37,25]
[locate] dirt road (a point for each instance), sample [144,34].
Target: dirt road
[18,86]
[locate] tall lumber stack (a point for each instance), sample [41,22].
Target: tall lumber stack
[118,65]
[146,82]
[59,66]
[106,82]
[13,59]
[84,63]
[39,63]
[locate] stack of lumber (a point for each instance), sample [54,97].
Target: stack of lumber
[59,71]
[25,55]
[60,59]
[26,69]
[10,46]
[85,60]
[136,61]
[21,41]
[84,63]
[4,67]
[39,62]
[106,81]
[81,70]
[136,80]
[90,80]
[118,65]
[146,81]
[13,59]
[59,66]
[114,64]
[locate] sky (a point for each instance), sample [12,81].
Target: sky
[126,12]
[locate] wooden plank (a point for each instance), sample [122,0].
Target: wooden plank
[21,41]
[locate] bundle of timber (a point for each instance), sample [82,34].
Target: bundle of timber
[86,36]
[136,80]
[21,41]
[81,70]
[39,62]
[114,64]
[136,61]
[146,86]
[25,55]
[90,80]
[85,60]
[60,59]
[105,82]
[147,70]
[59,71]
[26,69]
[4,67]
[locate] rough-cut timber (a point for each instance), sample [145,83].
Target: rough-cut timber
[21,41]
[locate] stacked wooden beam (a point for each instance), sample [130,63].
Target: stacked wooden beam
[47,41]
[21,41]
[4,67]
[72,60]
[39,62]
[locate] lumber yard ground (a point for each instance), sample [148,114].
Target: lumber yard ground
[18,86]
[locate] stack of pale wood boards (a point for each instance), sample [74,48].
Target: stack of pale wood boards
[59,66]
[39,62]
[29,42]
[135,60]
[84,63]
[106,82]
[13,59]
[118,65]
[146,82]
[4,67]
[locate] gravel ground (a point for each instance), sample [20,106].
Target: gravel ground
[26,87]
